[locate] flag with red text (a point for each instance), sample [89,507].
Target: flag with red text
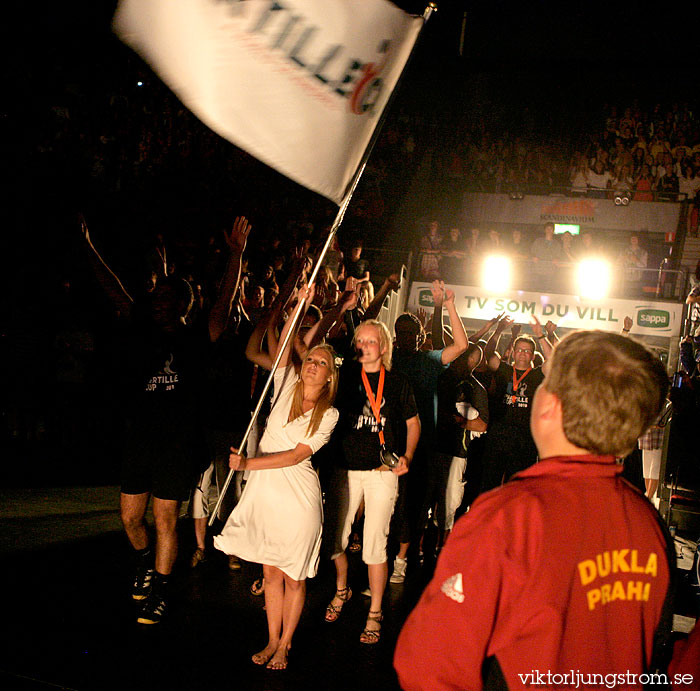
[299,84]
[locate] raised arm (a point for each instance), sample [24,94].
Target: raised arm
[221,309]
[297,275]
[459,335]
[541,337]
[551,330]
[490,355]
[514,333]
[332,319]
[391,282]
[476,337]
[436,327]
[305,294]
[254,351]
[109,281]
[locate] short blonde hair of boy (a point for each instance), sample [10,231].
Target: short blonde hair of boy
[611,389]
[385,342]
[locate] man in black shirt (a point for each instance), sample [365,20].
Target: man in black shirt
[462,412]
[509,445]
[161,370]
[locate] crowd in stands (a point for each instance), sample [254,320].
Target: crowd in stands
[654,154]
[542,261]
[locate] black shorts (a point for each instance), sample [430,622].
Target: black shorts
[163,460]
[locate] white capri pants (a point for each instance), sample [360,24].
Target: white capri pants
[454,492]
[379,489]
[651,463]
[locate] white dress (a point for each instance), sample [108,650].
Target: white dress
[279,517]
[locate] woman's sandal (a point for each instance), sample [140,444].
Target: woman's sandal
[355,544]
[372,636]
[258,587]
[333,611]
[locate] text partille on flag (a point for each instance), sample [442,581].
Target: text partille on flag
[299,84]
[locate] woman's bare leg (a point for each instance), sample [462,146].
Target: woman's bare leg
[378,575]
[274,608]
[652,485]
[294,597]
[341,586]
[200,532]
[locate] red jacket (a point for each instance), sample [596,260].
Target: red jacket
[563,569]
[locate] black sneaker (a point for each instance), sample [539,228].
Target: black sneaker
[142,583]
[153,610]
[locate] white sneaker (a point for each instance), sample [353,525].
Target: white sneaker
[399,574]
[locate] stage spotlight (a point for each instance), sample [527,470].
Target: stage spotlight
[593,277]
[622,199]
[496,274]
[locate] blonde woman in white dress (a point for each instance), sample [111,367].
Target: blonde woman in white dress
[278,520]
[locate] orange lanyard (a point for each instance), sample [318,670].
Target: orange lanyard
[376,402]
[516,382]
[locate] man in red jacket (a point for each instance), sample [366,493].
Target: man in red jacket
[561,577]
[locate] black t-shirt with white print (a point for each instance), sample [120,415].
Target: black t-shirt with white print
[356,433]
[512,408]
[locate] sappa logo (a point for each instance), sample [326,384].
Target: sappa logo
[653,319]
[425,298]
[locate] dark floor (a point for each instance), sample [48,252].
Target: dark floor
[69,622]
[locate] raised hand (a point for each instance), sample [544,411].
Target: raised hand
[550,327]
[422,316]
[348,300]
[394,281]
[536,326]
[627,324]
[515,330]
[438,290]
[351,284]
[305,292]
[505,323]
[238,236]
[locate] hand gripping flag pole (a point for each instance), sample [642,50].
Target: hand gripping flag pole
[352,186]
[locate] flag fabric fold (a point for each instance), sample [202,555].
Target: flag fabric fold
[299,84]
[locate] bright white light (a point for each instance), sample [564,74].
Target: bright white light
[139,83]
[593,277]
[496,274]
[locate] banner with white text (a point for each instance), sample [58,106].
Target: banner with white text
[299,84]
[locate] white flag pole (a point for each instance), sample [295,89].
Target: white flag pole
[352,186]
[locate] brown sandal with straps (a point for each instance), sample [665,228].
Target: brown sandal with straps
[372,636]
[333,611]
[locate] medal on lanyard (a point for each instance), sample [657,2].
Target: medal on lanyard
[516,383]
[388,458]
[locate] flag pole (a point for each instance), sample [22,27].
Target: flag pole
[342,208]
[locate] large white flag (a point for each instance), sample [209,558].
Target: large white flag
[299,84]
